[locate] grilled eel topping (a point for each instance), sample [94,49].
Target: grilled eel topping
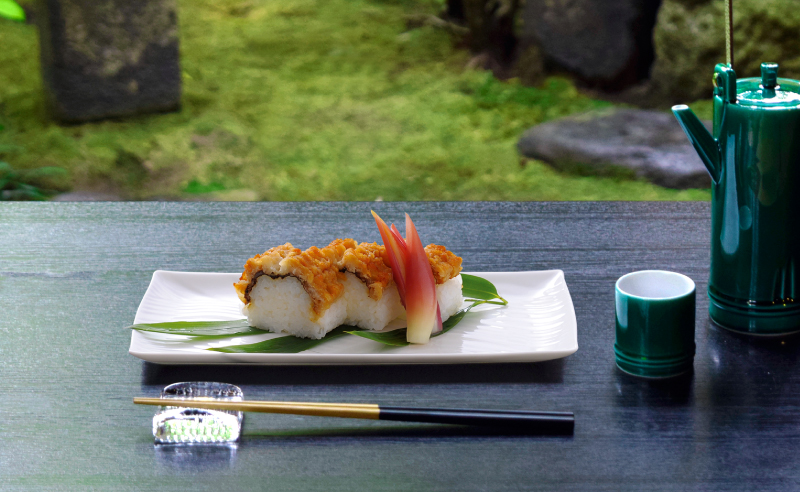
[321,271]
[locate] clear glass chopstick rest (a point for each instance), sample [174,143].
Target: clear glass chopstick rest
[173,425]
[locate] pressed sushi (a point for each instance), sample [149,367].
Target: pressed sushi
[309,293]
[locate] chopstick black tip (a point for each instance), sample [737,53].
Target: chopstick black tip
[539,423]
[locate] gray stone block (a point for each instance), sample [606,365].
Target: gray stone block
[650,144]
[606,43]
[109,58]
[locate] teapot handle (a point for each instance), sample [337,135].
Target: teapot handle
[725,83]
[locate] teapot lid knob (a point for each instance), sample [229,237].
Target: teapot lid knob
[769,75]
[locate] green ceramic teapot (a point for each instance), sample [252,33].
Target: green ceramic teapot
[753,157]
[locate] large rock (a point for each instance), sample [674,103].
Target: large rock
[649,144]
[607,44]
[109,58]
[690,39]
[490,28]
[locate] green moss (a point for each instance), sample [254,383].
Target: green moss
[689,40]
[311,100]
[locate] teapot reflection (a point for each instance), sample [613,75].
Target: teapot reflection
[196,457]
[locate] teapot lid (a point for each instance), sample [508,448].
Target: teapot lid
[769,90]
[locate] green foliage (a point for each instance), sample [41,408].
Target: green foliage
[195,187]
[11,10]
[22,185]
[312,100]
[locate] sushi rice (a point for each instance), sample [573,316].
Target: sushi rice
[281,305]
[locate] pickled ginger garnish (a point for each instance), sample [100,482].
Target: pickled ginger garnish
[414,278]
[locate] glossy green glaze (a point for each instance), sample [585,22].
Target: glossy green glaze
[754,161]
[655,333]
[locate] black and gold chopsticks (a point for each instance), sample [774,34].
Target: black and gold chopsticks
[559,423]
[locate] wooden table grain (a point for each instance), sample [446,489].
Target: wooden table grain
[72,276]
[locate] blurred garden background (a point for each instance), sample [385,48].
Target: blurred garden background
[329,100]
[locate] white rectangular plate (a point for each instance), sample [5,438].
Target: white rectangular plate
[538,324]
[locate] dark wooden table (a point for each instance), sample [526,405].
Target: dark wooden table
[72,276]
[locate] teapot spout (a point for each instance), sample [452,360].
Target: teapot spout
[705,144]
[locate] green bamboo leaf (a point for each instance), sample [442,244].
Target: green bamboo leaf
[202,330]
[395,338]
[11,10]
[473,288]
[455,319]
[283,345]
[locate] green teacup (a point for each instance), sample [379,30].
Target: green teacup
[655,323]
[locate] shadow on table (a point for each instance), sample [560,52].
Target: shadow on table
[539,372]
[204,457]
[259,436]
[196,457]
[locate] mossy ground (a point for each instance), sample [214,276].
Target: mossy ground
[310,100]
